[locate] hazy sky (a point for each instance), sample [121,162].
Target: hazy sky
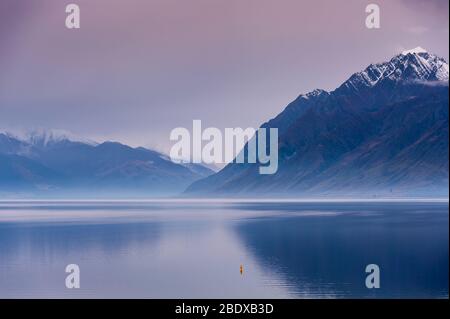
[137,69]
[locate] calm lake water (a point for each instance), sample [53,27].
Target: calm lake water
[195,249]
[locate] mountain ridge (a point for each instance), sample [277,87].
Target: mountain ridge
[328,140]
[49,165]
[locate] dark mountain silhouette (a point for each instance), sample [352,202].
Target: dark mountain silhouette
[383,132]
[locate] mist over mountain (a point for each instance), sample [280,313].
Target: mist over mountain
[383,132]
[51,164]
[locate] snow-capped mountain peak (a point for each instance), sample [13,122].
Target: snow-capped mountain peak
[44,137]
[415,51]
[412,65]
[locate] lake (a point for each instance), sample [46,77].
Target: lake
[194,249]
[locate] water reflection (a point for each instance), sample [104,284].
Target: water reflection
[326,256]
[195,250]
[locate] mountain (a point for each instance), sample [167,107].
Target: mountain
[43,137]
[383,132]
[58,164]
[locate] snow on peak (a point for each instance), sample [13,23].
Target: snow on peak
[415,51]
[412,65]
[45,137]
[314,93]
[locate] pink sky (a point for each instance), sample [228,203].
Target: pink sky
[137,69]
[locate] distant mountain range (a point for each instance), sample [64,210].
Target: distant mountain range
[48,164]
[383,132]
